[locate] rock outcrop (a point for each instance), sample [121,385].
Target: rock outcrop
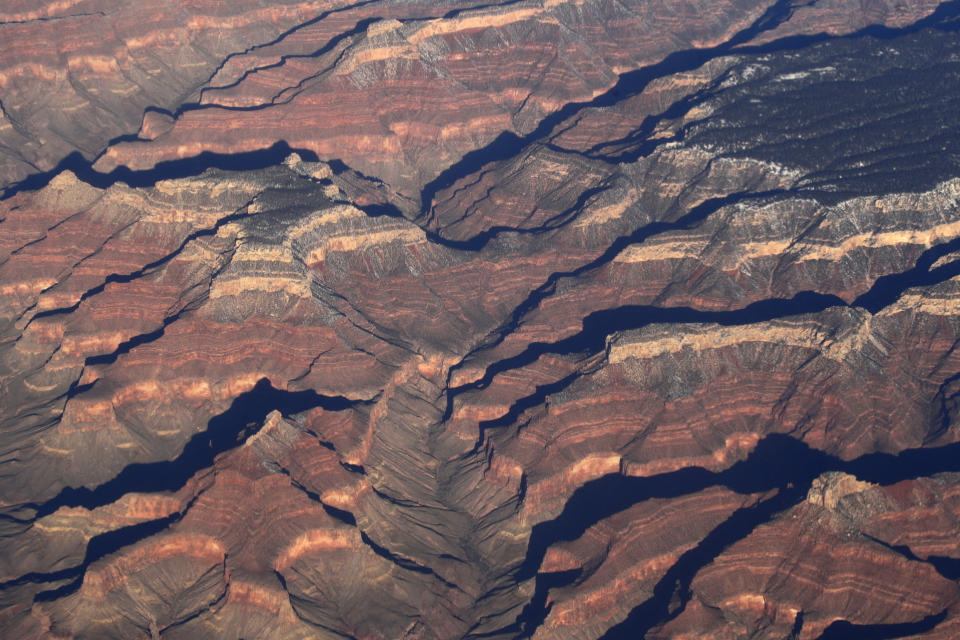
[563,319]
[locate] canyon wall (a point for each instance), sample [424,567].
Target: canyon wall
[562,319]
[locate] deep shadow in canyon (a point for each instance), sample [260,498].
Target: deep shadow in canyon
[779,464]
[222,433]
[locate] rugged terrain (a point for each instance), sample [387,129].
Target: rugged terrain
[566,319]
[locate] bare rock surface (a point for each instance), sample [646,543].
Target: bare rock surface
[564,319]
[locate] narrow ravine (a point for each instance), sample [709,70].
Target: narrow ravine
[223,432]
[778,463]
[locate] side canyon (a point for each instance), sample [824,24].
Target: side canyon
[550,319]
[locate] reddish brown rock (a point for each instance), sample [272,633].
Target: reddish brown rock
[812,562]
[556,320]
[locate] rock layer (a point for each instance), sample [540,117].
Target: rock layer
[551,320]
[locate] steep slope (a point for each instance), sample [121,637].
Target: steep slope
[551,320]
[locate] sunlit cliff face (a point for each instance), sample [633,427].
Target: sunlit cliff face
[561,319]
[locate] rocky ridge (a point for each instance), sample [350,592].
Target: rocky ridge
[550,320]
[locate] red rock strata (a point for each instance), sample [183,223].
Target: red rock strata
[569,319]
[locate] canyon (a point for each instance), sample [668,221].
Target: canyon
[559,319]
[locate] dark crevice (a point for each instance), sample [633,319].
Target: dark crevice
[339,167]
[348,518]
[353,468]
[68,269]
[777,463]
[165,170]
[77,389]
[404,563]
[356,30]
[887,289]
[637,144]
[194,106]
[122,278]
[277,40]
[342,515]
[508,145]
[537,610]
[400,502]
[326,444]
[212,606]
[98,547]
[72,16]
[127,345]
[294,600]
[560,220]
[480,240]
[46,234]
[949,568]
[600,324]
[843,630]
[400,561]
[275,100]
[453,13]
[797,627]
[223,432]
[672,591]
[378,331]
[690,219]
[337,514]
[140,339]
[949,399]
[288,32]
[132,137]
[519,406]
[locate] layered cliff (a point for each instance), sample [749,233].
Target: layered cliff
[533,319]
